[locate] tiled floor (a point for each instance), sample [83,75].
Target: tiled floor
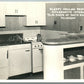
[28,76]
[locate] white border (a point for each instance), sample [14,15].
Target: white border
[35,80]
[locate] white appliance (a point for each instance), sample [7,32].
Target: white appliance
[37,57]
[19,59]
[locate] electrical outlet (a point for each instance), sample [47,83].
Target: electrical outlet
[81,28]
[55,22]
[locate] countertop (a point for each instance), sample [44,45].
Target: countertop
[68,39]
[61,43]
[7,44]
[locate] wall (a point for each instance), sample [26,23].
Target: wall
[50,34]
[64,24]
[31,32]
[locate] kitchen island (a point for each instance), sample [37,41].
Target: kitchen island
[55,68]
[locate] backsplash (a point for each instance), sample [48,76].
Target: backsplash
[51,34]
[57,24]
[32,33]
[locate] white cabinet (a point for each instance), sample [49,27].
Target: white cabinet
[19,61]
[36,14]
[37,60]
[3,63]
[54,66]
[3,57]
[2,14]
[15,8]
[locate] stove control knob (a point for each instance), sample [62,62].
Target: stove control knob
[41,45]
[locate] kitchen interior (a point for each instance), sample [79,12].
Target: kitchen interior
[30,42]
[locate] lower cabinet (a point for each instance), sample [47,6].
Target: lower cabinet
[4,73]
[3,63]
[73,73]
[19,61]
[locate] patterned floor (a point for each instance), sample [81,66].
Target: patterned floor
[28,76]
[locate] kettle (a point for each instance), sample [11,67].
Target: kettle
[39,38]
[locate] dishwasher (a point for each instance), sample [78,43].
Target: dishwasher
[37,57]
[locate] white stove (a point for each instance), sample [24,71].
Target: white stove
[37,57]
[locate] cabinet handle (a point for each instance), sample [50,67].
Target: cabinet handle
[36,21]
[16,11]
[40,49]
[7,54]
[27,50]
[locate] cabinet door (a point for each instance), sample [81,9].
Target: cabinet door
[73,73]
[2,14]
[15,8]
[19,61]
[36,14]
[37,60]
[3,57]
[3,63]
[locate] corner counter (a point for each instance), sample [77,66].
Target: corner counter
[54,68]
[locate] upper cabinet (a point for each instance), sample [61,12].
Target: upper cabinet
[2,14]
[36,14]
[15,8]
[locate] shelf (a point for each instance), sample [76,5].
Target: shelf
[75,62]
[74,65]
